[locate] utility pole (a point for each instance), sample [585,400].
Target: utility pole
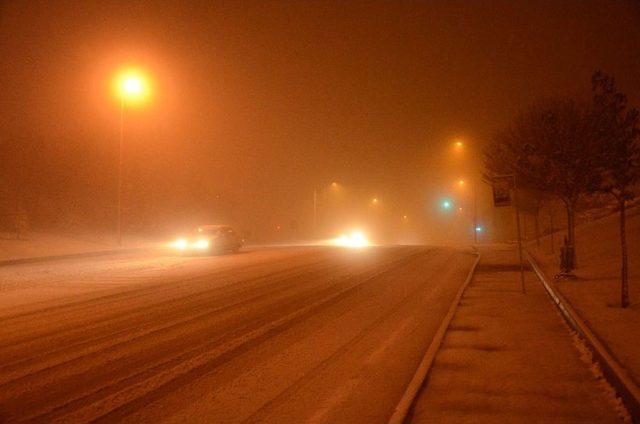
[120,171]
[315,212]
[475,211]
[503,186]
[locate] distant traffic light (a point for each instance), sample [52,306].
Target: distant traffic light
[447,205]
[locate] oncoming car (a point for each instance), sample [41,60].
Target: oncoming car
[209,239]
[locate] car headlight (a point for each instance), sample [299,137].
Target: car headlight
[201,244]
[180,244]
[356,239]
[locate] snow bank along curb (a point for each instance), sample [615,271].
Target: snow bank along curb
[90,254]
[614,372]
[412,390]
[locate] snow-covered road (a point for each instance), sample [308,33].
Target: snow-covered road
[268,335]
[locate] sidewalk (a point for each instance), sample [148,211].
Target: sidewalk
[509,357]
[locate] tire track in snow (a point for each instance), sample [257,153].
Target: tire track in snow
[181,358]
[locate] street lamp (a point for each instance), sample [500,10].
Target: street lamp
[335,186]
[461,183]
[131,87]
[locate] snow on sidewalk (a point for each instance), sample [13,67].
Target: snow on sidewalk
[509,357]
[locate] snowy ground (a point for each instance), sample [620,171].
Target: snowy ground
[596,293]
[508,357]
[42,244]
[268,335]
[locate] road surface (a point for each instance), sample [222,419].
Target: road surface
[267,335]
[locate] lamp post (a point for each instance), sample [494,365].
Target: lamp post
[474,199]
[335,186]
[315,212]
[475,212]
[131,86]
[459,147]
[120,171]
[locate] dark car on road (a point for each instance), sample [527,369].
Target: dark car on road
[209,239]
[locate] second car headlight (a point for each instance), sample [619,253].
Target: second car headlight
[201,244]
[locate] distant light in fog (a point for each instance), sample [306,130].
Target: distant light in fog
[446,204]
[478,229]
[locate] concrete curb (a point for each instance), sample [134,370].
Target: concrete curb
[402,408]
[614,372]
[8,262]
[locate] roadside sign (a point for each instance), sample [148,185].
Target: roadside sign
[502,186]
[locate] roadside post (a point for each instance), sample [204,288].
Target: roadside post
[502,186]
[315,212]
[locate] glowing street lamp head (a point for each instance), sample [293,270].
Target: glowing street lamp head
[446,204]
[458,147]
[132,86]
[460,182]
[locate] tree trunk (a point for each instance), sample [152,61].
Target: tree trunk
[624,271]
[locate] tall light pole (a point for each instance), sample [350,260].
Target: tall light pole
[315,212]
[131,86]
[474,188]
[120,171]
[459,148]
[474,200]
[334,185]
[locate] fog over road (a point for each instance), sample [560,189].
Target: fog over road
[268,335]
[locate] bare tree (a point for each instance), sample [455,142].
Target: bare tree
[616,126]
[548,148]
